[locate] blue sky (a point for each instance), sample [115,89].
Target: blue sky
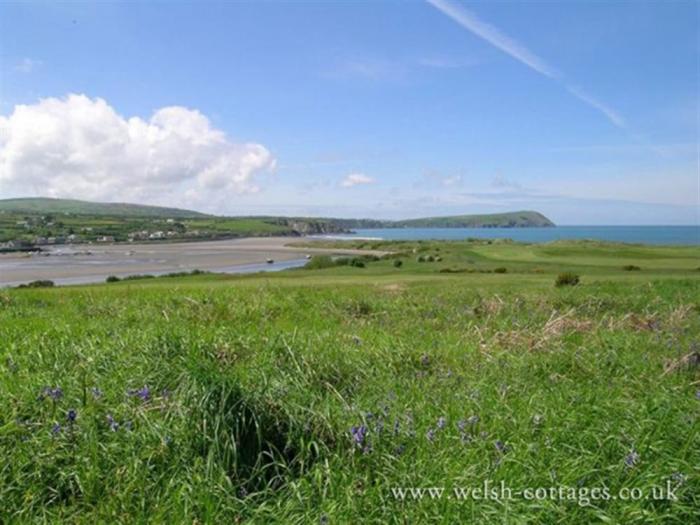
[585,111]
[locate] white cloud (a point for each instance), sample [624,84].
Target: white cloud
[356,178]
[81,147]
[27,65]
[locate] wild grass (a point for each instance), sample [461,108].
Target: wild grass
[216,399]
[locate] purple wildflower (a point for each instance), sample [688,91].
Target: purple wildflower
[323,520]
[144,393]
[442,422]
[71,415]
[430,435]
[397,427]
[472,420]
[425,360]
[242,493]
[54,393]
[500,446]
[631,459]
[399,450]
[359,434]
[678,477]
[461,425]
[96,392]
[55,429]
[113,425]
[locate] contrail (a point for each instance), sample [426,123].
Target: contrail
[496,38]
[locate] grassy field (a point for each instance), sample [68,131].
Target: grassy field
[317,396]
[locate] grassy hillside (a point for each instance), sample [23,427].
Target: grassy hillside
[318,396]
[40,205]
[516,219]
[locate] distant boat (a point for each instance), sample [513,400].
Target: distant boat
[270,261]
[308,256]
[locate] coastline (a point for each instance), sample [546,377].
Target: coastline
[92,263]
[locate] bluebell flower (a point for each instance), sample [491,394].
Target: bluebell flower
[461,425]
[442,421]
[678,477]
[500,446]
[399,450]
[425,360]
[55,429]
[54,393]
[323,520]
[359,434]
[144,393]
[96,392]
[113,425]
[430,435]
[631,459]
[71,415]
[472,420]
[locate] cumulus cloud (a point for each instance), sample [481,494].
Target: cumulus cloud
[356,178]
[81,147]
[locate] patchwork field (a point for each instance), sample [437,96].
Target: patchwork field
[355,392]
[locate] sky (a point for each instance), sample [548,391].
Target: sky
[584,111]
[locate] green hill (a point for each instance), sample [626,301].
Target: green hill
[42,205]
[515,219]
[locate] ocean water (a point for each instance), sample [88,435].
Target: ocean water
[687,235]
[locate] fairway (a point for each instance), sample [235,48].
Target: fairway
[379,394]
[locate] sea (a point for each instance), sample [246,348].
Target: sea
[661,235]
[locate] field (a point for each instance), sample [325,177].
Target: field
[318,396]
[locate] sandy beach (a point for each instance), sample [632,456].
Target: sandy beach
[75,264]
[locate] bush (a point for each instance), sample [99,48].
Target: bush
[112,279]
[319,262]
[420,258]
[398,263]
[567,279]
[37,284]
[500,269]
[631,268]
[430,258]
[357,262]
[138,277]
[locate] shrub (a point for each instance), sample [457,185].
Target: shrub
[37,284]
[357,262]
[500,269]
[631,268]
[398,263]
[319,262]
[430,258]
[420,258]
[112,279]
[567,279]
[138,277]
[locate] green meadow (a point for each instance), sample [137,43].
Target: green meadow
[380,392]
